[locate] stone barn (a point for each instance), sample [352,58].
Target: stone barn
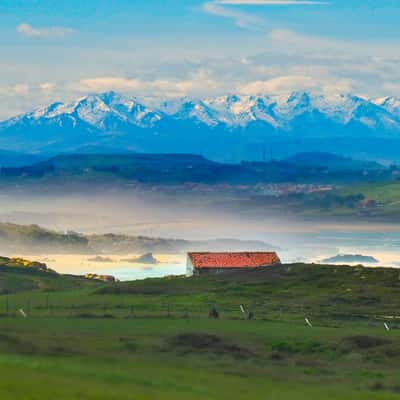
[208,262]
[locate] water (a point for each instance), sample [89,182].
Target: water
[79,264]
[384,245]
[299,246]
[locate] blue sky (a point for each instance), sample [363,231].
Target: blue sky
[57,50]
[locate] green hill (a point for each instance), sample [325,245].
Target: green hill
[373,200]
[157,336]
[175,169]
[368,201]
[19,238]
[324,290]
[332,162]
[20,275]
[34,239]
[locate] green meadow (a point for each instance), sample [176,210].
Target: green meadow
[153,339]
[68,358]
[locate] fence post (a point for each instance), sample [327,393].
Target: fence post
[49,306]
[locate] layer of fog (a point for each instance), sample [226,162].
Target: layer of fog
[170,215]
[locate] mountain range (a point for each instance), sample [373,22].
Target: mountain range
[224,128]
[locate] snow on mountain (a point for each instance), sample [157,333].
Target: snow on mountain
[187,109]
[227,128]
[113,121]
[104,111]
[236,110]
[109,111]
[278,112]
[391,104]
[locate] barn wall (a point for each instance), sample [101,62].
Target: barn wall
[189,267]
[219,271]
[227,270]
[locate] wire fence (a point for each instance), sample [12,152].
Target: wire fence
[57,306]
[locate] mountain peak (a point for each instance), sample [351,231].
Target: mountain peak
[121,118]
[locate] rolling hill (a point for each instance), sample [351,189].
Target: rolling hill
[35,239]
[178,169]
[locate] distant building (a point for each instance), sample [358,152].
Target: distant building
[207,262]
[104,278]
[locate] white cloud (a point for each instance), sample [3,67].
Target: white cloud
[19,89]
[278,85]
[57,32]
[288,83]
[245,20]
[309,43]
[200,81]
[276,63]
[106,83]
[241,19]
[271,2]
[47,86]
[392,88]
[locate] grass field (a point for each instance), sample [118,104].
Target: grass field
[384,202]
[153,339]
[283,292]
[49,358]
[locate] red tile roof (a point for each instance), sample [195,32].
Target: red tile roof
[233,260]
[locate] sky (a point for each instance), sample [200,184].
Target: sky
[54,50]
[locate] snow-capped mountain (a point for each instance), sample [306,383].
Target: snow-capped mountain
[241,110]
[391,104]
[103,111]
[229,127]
[107,111]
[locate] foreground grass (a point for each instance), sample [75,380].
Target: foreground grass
[152,339]
[181,359]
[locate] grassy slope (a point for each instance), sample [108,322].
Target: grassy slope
[343,202]
[20,279]
[291,290]
[387,195]
[188,356]
[162,359]
[383,202]
[319,289]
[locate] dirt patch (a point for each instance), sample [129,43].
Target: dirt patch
[128,344]
[89,316]
[364,342]
[208,344]
[14,344]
